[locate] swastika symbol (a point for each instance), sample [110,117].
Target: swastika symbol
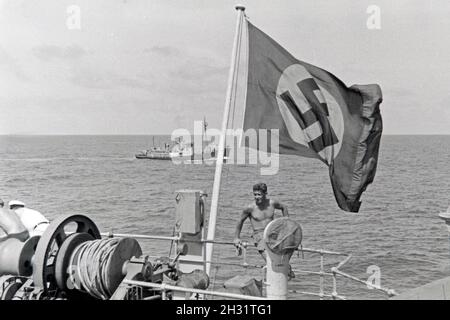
[306,111]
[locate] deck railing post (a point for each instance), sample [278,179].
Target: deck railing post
[321,281]
[446,217]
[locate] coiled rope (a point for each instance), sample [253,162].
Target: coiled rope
[89,271]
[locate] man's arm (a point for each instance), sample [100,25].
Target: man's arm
[282,207]
[237,233]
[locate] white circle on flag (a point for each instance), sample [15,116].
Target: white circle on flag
[288,83]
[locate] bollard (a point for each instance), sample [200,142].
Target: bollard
[277,276]
[281,237]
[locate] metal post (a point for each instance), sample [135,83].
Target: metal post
[277,270]
[321,281]
[334,293]
[446,217]
[220,152]
[277,276]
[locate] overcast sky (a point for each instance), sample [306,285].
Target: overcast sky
[150,66]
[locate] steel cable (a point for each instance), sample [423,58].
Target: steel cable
[89,273]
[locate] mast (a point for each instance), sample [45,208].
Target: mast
[220,153]
[203,134]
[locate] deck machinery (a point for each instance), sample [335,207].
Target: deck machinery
[71,260]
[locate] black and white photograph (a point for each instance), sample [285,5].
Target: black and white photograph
[194,151]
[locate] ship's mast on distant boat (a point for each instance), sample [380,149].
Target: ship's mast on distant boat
[205,125]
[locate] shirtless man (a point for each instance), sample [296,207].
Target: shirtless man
[260,213]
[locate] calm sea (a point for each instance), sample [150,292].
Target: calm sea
[397,229]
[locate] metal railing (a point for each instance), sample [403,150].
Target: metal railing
[334,272]
[163,287]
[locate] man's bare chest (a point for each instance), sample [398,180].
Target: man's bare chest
[262,214]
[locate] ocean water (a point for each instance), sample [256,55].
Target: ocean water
[397,229]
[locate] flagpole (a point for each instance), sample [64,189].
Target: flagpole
[220,154]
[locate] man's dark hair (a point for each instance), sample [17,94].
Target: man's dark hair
[260,187]
[2,204]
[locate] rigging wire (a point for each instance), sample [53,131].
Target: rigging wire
[216,269]
[231,116]
[171,242]
[234,89]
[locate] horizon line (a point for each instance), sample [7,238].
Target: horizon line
[169,134]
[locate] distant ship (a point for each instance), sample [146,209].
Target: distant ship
[182,150]
[154,154]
